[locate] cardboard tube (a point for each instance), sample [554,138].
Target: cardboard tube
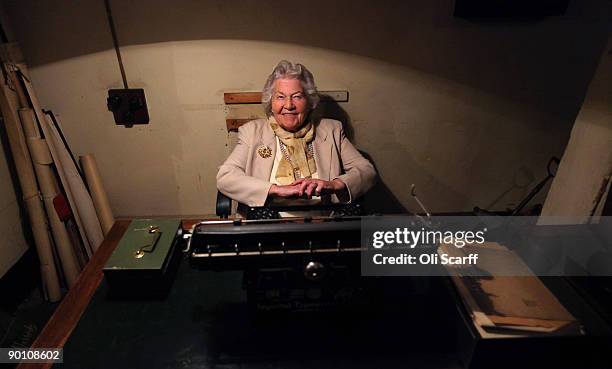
[39,151]
[29,188]
[78,197]
[83,203]
[45,252]
[71,201]
[21,97]
[49,188]
[100,200]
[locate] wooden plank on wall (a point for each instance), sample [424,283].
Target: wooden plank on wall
[242,97]
[234,124]
[255,97]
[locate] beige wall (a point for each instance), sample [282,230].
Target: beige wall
[586,167]
[469,111]
[12,242]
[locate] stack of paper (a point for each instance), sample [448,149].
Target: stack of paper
[508,305]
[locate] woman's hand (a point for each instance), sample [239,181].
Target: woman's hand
[316,187]
[284,191]
[308,187]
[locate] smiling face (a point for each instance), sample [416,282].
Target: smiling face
[289,104]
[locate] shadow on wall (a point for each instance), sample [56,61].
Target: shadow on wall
[380,199]
[10,162]
[328,108]
[520,61]
[472,72]
[521,179]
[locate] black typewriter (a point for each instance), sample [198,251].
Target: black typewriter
[289,264]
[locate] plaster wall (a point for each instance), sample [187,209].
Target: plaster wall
[583,180]
[469,111]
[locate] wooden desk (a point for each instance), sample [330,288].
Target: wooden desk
[207,324]
[67,315]
[197,325]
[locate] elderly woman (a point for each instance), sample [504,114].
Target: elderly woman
[289,155]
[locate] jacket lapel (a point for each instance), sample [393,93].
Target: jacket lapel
[263,166]
[323,152]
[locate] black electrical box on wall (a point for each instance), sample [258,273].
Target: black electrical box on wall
[128,105]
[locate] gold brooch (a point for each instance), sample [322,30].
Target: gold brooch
[264,151]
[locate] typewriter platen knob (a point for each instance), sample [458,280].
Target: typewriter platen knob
[314,271]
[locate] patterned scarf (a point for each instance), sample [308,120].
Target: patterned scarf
[297,160]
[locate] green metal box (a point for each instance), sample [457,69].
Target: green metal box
[143,262]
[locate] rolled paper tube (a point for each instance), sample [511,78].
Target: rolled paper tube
[80,227]
[70,265]
[40,151]
[21,97]
[43,248]
[49,188]
[29,188]
[78,196]
[105,214]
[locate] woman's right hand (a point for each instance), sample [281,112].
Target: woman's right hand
[284,190]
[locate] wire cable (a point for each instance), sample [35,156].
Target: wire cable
[111,24]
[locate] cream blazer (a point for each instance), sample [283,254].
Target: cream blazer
[245,174]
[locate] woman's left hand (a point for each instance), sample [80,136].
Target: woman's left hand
[317,187]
